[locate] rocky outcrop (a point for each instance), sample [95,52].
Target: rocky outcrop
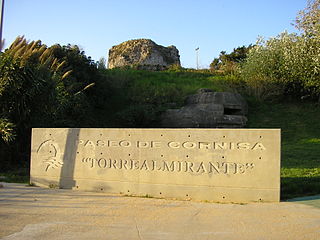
[208,109]
[143,54]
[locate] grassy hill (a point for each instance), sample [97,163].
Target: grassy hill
[140,96]
[136,99]
[300,147]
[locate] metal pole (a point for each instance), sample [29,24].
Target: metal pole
[197,53]
[1,23]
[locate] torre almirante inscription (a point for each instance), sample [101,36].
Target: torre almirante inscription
[227,165]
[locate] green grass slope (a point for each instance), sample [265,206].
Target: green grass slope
[300,147]
[138,97]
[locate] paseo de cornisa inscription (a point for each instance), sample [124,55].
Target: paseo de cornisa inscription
[171,166]
[173,144]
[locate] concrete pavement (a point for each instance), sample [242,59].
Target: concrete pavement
[36,213]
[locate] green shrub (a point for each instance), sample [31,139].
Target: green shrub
[43,86]
[288,64]
[229,63]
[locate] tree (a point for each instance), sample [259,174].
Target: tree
[228,63]
[289,63]
[308,20]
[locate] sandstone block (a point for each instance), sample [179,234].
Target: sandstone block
[222,165]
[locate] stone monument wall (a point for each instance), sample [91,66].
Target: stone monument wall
[222,165]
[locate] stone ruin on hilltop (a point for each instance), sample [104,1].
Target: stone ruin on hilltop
[143,54]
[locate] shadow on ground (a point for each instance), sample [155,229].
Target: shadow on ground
[311,200]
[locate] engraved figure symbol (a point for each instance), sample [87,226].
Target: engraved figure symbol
[50,152]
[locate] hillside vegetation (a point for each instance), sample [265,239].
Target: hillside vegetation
[300,142]
[132,98]
[143,95]
[139,97]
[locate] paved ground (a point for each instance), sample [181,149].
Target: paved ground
[35,213]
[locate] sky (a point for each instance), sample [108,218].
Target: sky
[97,25]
